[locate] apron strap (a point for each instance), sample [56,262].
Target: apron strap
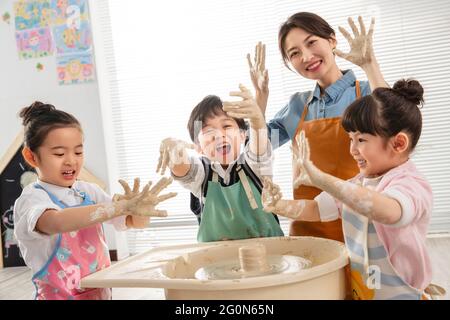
[247,188]
[54,199]
[366,244]
[302,118]
[215,177]
[357,89]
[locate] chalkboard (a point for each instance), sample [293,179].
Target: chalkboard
[15,176]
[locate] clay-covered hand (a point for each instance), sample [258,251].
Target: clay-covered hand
[361,49]
[128,193]
[247,108]
[136,221]
[260,76]
[270,195]
[172,152]
[309,174]
[258,71]
[143,203]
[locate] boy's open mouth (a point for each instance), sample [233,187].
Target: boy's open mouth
[223,148]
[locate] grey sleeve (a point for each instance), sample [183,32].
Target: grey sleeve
[260,165]
[193,179]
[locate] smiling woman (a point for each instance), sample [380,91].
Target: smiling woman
[156,59]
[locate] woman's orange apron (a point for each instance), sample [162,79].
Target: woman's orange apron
[330,152]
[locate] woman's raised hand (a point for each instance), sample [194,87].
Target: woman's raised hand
[361,49]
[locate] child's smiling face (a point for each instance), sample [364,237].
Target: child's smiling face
[220,139]
[60,158]
[373,154]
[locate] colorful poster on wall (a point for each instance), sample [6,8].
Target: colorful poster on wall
[32,14]
[45,26]
[33,34]
[34,43]
[69,12]
[72,40]
[74,69]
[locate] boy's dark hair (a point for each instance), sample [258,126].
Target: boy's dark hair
[209,107]
[310,22]
[39,119]
[387,112]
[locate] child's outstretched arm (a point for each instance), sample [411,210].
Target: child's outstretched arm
[305,210]
[173,154]
[367,202]
[72,219]
[249,109]
[362,53]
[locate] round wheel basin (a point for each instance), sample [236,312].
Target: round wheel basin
[324,279]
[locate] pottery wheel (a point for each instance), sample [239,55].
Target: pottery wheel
[231,269]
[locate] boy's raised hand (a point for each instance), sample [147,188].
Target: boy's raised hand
[259,75]
[172,152]
[247,108]
[361,49]
[270,195]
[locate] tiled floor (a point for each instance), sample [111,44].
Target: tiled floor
[15,283]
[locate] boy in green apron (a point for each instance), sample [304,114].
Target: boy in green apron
[224,182]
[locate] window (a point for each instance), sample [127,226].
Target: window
[156,60]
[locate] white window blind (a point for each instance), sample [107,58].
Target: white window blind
[158,59]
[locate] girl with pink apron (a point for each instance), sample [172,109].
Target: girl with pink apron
[76,255]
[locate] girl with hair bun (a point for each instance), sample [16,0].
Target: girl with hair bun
[385,210]
[58,219]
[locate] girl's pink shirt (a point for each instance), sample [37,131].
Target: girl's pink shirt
[405,241]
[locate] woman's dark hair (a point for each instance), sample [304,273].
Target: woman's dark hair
[209,107]
[310,22]
[387,112]
[41,118]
